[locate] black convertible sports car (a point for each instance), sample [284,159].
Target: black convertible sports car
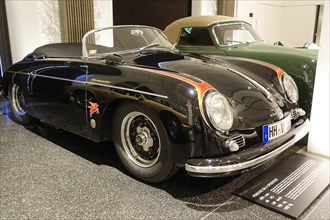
[162,110]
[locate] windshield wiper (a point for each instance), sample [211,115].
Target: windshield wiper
[149,46]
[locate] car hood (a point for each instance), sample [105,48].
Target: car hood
[259,47]
[251,106]
[229,82]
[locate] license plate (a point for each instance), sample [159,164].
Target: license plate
[276,129]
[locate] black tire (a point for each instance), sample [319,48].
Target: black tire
[17,105]
[139,132]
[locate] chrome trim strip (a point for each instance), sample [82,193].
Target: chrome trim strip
[304,128]
[130,90]
[90,83]
[1,70]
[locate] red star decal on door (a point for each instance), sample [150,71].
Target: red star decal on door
[93,108]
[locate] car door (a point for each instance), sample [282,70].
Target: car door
[57,93]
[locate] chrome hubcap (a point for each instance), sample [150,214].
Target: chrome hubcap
[143,138]
[140,139]
[18,100]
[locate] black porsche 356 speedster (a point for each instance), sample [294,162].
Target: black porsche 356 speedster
[162,110]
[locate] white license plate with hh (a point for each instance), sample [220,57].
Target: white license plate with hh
[276,129]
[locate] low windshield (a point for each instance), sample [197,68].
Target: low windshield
[238,33]
[122,39]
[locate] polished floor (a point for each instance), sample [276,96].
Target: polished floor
[46,174]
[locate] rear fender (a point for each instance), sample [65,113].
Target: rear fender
[12,75]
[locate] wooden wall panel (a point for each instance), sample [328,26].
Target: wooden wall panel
[156,13]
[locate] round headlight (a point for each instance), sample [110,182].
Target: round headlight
[219,111]
[290,88]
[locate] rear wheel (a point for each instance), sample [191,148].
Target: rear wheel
[142,143]
[17,104]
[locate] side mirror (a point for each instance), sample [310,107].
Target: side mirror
[112,59]
[278,43]
[30,57]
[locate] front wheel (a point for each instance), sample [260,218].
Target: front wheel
[142,143]
[17,104]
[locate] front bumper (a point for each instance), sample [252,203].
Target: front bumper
[245,160]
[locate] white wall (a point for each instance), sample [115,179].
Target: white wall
[33,23]
[49,21]
[297,24]
[103,13]
[318,141]
[265,24]
[291,22]
[244,8]
[24,27]
[202,7]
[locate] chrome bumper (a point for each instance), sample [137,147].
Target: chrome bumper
[212,166]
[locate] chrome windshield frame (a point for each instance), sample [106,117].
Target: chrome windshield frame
[84,39]
[231,23]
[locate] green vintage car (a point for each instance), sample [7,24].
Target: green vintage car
[227,36]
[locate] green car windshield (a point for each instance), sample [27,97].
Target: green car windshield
[238,33]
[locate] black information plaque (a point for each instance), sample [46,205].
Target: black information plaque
[289,186]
